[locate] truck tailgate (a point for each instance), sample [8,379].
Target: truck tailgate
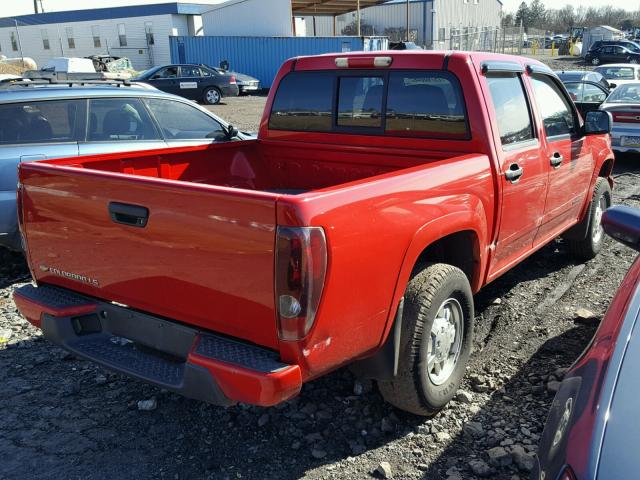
[205,256]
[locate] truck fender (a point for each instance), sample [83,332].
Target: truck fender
[383,364]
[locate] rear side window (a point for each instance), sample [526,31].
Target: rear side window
[418,104]
[511,107]
[119,119]
[180,121]
[426,103]
[303,103]
[58,121]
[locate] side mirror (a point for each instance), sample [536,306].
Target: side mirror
[232,132]
[612,86]
[597,122]
[623,224]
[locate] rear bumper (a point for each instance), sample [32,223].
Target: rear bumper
[196,364]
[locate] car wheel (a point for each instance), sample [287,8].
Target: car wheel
[212,96]
[588,248]
[595,61]
[633,60]
[436,339]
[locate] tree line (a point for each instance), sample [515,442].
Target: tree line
[535,15]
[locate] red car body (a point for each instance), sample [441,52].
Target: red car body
[206,258]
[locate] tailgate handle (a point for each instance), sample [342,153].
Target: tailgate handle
[132,215]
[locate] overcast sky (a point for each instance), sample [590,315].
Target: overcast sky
[21,7]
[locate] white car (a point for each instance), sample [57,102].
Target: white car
[624,105]
[620,73]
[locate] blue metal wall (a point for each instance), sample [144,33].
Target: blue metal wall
[260,57]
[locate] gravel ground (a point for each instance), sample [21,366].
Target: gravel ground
[65,418]
[243,112]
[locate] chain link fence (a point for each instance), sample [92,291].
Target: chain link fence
[512,40]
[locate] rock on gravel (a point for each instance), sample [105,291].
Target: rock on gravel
[525,461]
[148,405]
[384,470]
[480,468]
[499,457]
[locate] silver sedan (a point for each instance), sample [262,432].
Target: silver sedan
[624,105]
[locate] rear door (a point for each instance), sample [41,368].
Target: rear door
[523,173]
[190,82]
[34,131]
[568,159]
[118,125]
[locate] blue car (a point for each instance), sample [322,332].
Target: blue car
[41,121]
[592,431]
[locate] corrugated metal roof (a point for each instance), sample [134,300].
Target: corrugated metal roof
[329,7]
[106,13]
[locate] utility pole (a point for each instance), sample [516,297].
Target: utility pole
[19,42]
[407,39]
[358,18]
[35,6]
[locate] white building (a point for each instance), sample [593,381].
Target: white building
[139,32]
[437,24]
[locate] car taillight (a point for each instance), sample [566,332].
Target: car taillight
[232,80]
[626,117]
[567,474]
[301,266]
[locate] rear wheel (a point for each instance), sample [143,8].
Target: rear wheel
[633,60]
[595,61]
[437,333]
[212,96]
[588,247]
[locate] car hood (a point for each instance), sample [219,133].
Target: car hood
[618,459]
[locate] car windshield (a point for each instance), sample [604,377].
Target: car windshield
[629,93]
[617,73]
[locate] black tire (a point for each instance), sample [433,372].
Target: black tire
[212,96]
[412,389]
[587,248]
[595,61]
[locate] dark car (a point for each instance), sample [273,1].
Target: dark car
[195,82]
[580,75]
[633,46]
[611,54]
[592,431]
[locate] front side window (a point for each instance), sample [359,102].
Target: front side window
[303,102]
[122,35]
[426,103]
[119,119]
[511,108]
[180,121]
[555,109]
[360,102]
[169,72]
[59,121]
[70,39]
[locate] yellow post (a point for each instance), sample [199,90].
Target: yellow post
[553,48]
[571,48]
[534,47]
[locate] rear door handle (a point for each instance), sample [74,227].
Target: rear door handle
[132,215]
[514,173]
[556,159]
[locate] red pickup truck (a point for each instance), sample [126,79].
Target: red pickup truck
[383,191]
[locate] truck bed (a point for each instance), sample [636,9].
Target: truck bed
[250,165]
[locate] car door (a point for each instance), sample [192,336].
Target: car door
[522,173]
[166,79]
[184,124]
[33,131]
[606,54]
[619,54]
[119,125]
[190,82]
[569,161]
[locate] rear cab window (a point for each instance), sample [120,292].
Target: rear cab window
[426,104]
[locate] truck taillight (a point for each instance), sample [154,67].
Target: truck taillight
[301,266]
[232,80]
[626,117]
